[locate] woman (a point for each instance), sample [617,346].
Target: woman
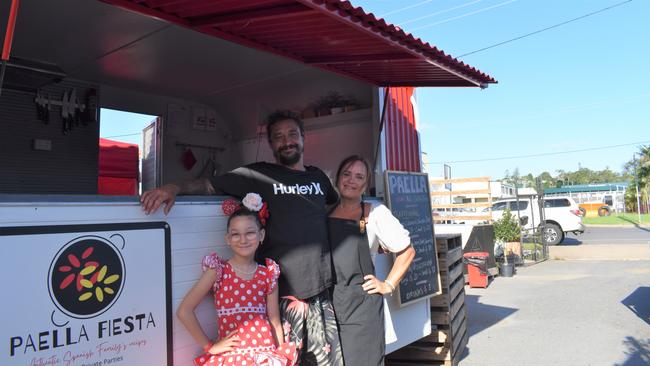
[357,229]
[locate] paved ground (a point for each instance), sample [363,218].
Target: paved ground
[562,313]
[609,235]
[605,243]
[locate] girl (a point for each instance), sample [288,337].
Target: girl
[357,229]
[246,299]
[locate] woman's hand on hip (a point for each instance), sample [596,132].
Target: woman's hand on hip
[372,285]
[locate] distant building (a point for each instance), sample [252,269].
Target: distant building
[611,194]
[475,190]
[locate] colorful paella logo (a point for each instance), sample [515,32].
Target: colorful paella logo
[86,277]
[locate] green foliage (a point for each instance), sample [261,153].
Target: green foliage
[588,176]
[640,165]
[617,219]
[564,178]
[506,229]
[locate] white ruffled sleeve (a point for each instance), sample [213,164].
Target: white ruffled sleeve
[273,273]
[213,261]
[385,229]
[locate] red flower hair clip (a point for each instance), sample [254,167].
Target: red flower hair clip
[251,201]
[230,206]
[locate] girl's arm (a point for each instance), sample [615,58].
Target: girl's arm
[273,312]
[193,298]
[400,266]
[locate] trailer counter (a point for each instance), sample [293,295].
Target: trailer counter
[160,261]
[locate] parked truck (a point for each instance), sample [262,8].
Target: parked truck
[561,216]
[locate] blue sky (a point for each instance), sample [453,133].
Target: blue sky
[583,85]
[579,86]
[123,126]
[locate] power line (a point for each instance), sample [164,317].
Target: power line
[610,102]
[541,154]
[131,134]
[466,15]
[405,8]
[439,12]
[547,28]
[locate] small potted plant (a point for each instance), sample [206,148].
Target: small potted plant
[351,103]
[331,103]
[507,233]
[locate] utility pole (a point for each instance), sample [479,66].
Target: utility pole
[636,183]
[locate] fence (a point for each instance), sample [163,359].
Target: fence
[475,200]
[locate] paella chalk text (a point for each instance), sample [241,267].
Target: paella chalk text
[408,184]
[62,337]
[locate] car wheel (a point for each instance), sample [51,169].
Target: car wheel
[583,212]
[552,234]
[604,211]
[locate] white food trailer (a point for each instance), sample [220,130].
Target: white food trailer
[211,71]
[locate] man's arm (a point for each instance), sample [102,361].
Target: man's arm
[236,183]
[153,199]
[197,187]
[331,195]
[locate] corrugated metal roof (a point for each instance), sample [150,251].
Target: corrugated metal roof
[588,188]
[329,34]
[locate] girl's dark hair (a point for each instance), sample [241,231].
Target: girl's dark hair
[242,212]
[349,161]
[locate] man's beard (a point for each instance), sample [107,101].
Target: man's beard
[288,160]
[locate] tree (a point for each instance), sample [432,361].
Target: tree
[528,180]
[547,179]
[641,165]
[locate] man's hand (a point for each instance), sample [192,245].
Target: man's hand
[151,200]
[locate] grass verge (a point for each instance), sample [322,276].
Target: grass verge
[617,219]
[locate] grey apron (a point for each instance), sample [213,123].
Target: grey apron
[359,315]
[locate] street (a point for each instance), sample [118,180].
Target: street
[610,235]
[562,313]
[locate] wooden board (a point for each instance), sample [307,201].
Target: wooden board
[446,242]
[463,205]
[448,338]
[450,258]
[446,317]
[459,180]
[463,217]
[461,193]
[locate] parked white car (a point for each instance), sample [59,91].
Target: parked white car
[562,215]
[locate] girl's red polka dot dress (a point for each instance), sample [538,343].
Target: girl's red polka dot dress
[241,308]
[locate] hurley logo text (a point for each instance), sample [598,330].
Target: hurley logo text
[313,188]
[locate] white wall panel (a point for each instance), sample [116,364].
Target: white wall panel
[197,229]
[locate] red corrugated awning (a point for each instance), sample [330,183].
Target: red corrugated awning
[330,34]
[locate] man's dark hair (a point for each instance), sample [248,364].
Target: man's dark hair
[283,115]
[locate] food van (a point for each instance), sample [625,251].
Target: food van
[210,71]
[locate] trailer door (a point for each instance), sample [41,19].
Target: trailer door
[151,152]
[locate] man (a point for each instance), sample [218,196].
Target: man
[296,233]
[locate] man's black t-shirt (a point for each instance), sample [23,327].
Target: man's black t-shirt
[296,231]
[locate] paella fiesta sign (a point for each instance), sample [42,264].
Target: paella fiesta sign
[86,295]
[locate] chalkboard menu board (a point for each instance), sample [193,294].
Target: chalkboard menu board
[408,198]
